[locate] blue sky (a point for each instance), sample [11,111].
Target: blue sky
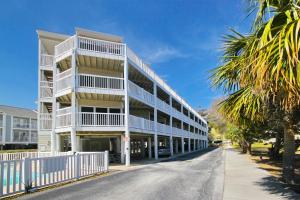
[181,39]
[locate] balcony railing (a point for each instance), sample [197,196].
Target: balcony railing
[101,46]
[46,89]
[177,131]
[46,61]
[63,81]
[89,44]
[139,93]
[63,117]
[163,128]
[100,119]
[100,82]
[163,106]
[141,123]
[45,121]
[176,113]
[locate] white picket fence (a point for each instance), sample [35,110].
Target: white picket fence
[24,174]
[22,155]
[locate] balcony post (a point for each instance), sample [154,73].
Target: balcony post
[73,103]
[54,108]
[155,122]
[126,105]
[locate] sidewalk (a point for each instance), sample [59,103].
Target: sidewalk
[245,180]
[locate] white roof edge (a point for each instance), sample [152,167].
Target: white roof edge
[53,35]
[99,35]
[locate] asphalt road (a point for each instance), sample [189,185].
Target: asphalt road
[195,176]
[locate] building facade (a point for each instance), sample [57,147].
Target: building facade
[18,128]
[96,94]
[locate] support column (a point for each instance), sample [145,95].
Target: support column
[155,147]
[189,145]
[127,134]
[149,148]
[194,144]
[58,142]
[171,145]
[143,148]
[182,145]
[122,149]
[176,146]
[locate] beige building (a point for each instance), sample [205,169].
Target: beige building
[96,94]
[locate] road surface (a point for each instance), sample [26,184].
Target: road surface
[196,176]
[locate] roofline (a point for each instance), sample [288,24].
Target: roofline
[52,35]
[100,35]
[28,109]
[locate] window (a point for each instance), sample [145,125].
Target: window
[33,124]
[1,120]
[33,136]
[101,110]
[115,110]
[21,122]
[1,134]
[87,109]
[20,136]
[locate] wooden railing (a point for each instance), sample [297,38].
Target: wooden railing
[46,89]
[63,81]
[63,117]
[139,93]
[101,82]
[46,61]
[141,123]
[45,121]
[101,46]
[100,119]
[163,128]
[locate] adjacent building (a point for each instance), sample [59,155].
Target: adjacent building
[18,128]
[96,94]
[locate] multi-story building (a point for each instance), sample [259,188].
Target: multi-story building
[18,128]
[96,94]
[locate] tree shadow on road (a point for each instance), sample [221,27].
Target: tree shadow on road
[273,186]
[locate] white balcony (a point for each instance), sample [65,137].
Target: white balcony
[46,89]
[63,117]
[141,124]
[163,129]
[63,82]
[100,119]
[140,94]
[100,84]
[177,114]
[177,131]
[45,121]
[86,45]
[163,106]
[46,62]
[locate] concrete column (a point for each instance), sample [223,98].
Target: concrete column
[182,145]
[194,144]
[143,148]
[149,148]
[122,149]
[189,145]
[126,105]
[155,147]
[73,140]
[58,142]
[171,145]
[176,146]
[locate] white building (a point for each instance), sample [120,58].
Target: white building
[96,94]
[18,128]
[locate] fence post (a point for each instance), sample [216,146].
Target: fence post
[27,174]
[106,161]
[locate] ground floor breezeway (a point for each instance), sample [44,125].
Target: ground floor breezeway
[141,145]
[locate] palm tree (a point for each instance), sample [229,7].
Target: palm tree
[262,68]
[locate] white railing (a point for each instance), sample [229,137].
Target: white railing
[141,123]
[46,60]
[45,121]
[65,46]
[31,173]
[22,155]
[163,128]
[46,89]
[177,131]
[100,119]
[140,93]
[163,106]
[101,46]
[177,114]
[63,80]
[63,117]
[101,82]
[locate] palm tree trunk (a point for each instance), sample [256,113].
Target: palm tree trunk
[289,150]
